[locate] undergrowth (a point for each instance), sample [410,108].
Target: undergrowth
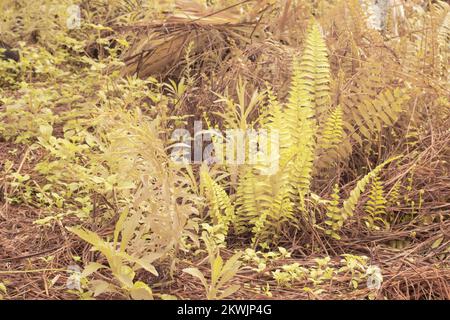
[360,115]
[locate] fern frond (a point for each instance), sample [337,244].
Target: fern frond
[332,135]
[394,195]
[334,221]
[314,70]
[298,152]
[349,205]
[263,205]
[275,119]
[268,225]
[337,218]
[375,207]
[248,205]
[371,115]
[333,130]
[443,37]
[301,172]
[220,207]
[299,111]
[308,99]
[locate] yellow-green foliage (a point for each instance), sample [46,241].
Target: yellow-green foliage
[349,205]
[84,145]
[220,206]
[332,136]
[336,219]
[121,264]
[375,207]
[308,85]
[250,200]
[394,195]
[370,115]
[268,200]
[314,70]
[221,273]
[263,203]
[333,130]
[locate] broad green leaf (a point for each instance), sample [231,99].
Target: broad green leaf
[196,273]
[46,130]
[141,291]
[119,225]
[140,262]
[91,268]
[125,276]
[229,291]
[3,288]
[99,287]
[437,243]
[216,270]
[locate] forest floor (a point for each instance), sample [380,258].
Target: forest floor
[37,258]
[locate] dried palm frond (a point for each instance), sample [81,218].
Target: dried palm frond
[157,46]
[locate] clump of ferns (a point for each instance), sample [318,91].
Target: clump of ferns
[310,136]
[279,195]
